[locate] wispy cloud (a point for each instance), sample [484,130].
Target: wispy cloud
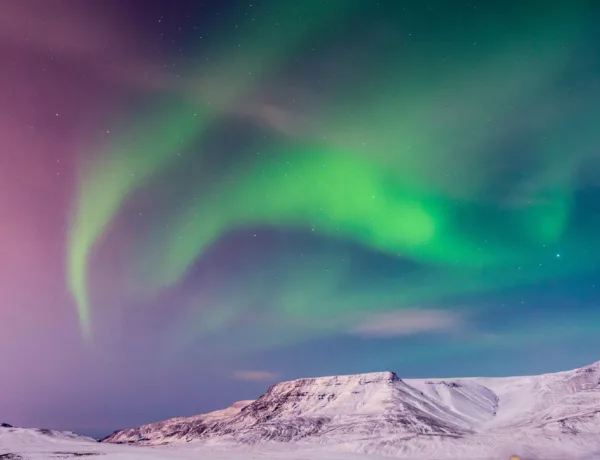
[255,376]
[408,322]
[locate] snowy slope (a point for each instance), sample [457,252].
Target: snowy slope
[177,429]
[533,401]
[35,436]
[34,444]
[14,440]
[546,415]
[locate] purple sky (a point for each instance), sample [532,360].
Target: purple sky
[70,72]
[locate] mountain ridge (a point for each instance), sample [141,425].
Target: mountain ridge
[379,412]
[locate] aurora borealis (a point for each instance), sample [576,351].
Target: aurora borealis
[206,189]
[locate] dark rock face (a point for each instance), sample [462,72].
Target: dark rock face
[5,425]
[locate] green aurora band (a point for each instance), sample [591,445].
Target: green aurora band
[405,170]
[131,162]
[385,195]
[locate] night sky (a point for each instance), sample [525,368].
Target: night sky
[202,198]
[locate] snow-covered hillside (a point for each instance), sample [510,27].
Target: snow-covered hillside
[34,436]
[538,416]
[15,441]
[34,444]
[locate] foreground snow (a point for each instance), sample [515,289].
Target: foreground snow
[31,444]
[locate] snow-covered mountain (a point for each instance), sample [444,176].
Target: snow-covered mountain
[37,435]
[51,443]
[545,415]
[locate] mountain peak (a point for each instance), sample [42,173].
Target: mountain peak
[381,413]
[337,380]
[241,404]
